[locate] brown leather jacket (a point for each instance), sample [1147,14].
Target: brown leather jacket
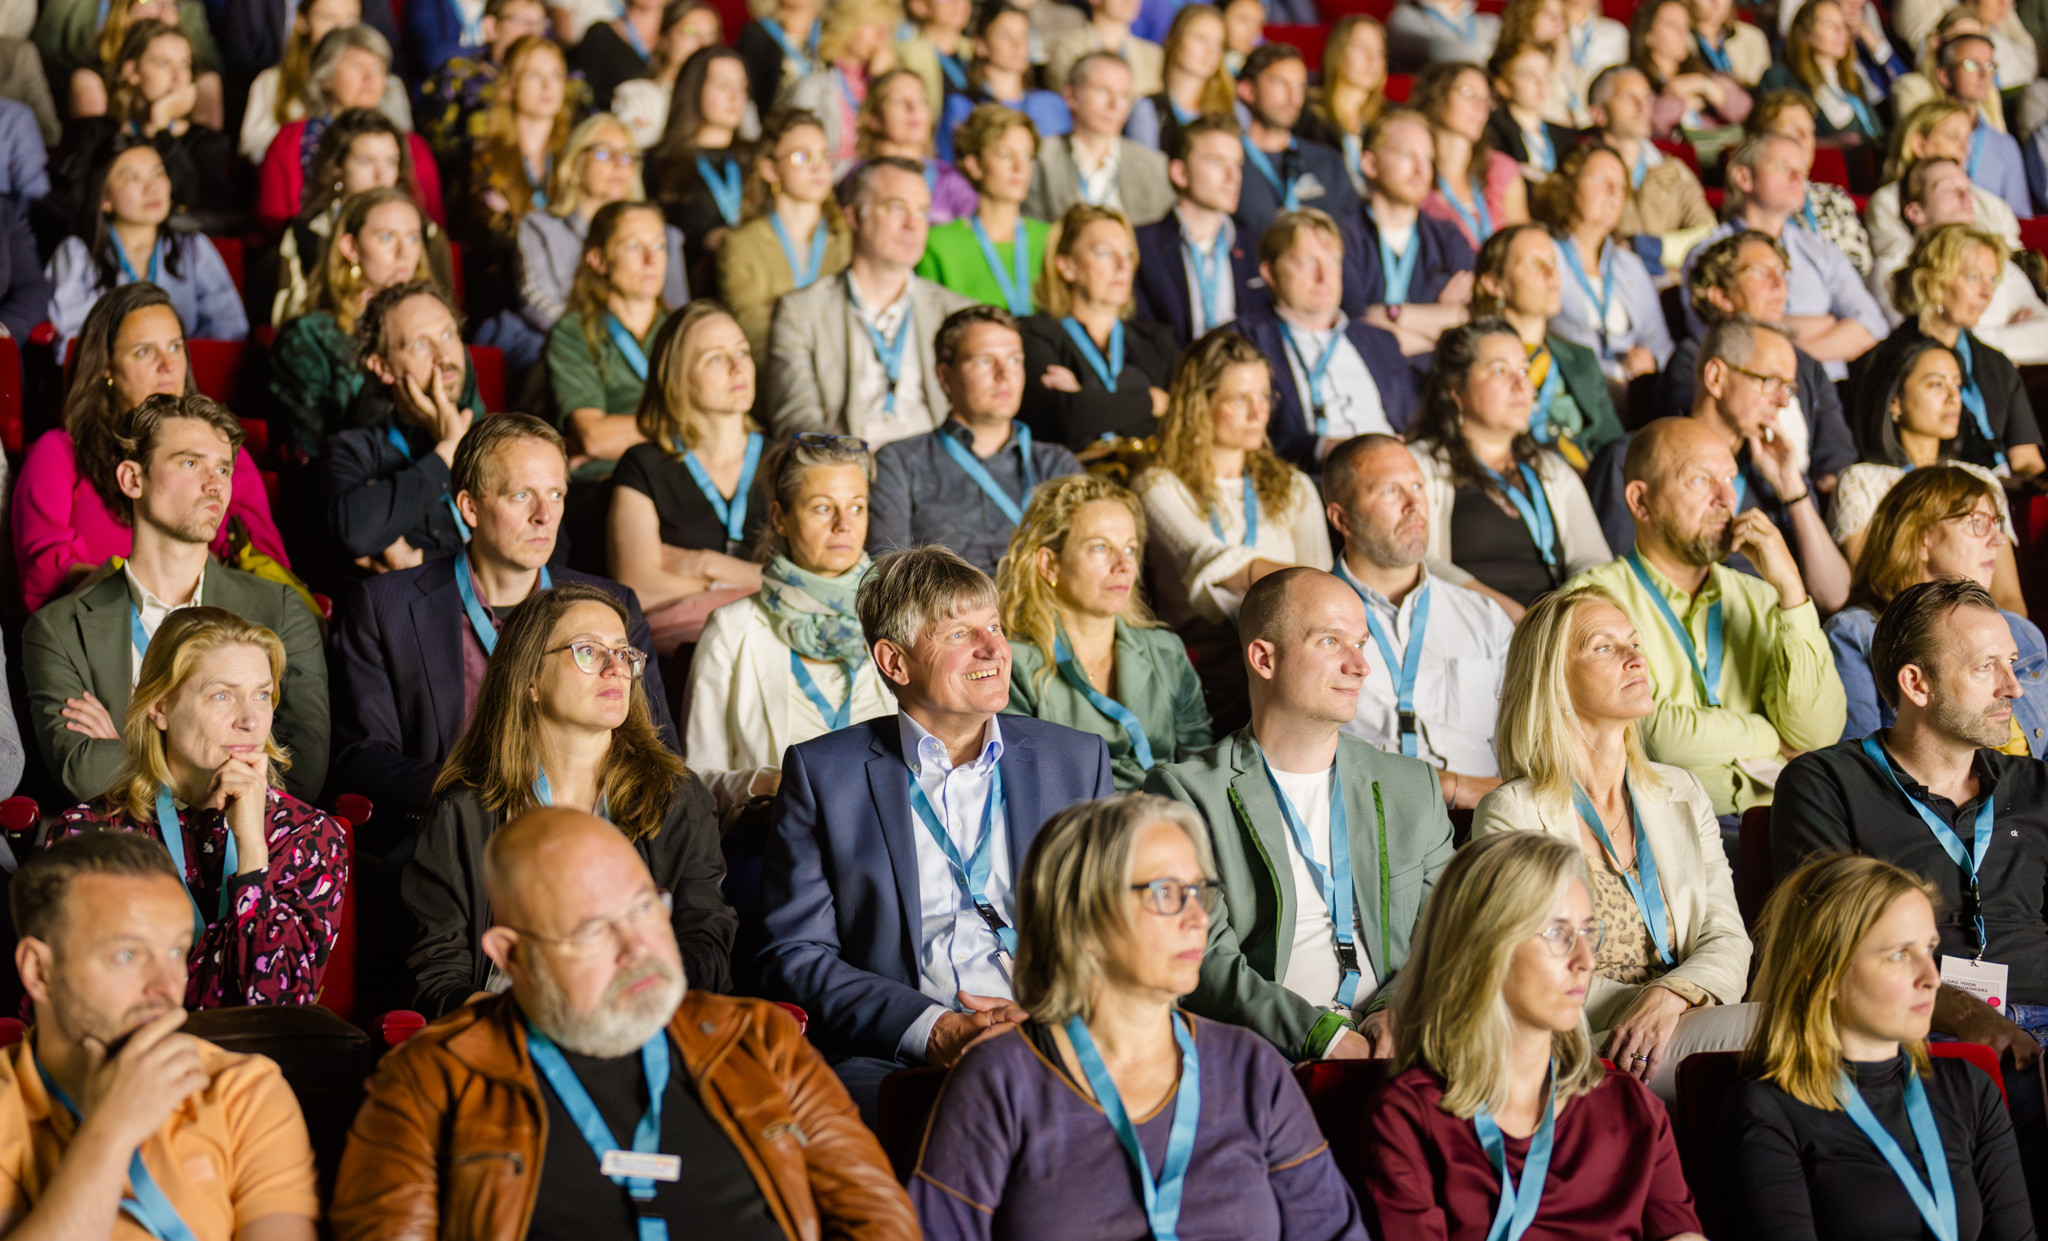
[448,1145]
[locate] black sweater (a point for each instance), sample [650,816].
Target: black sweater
[1795,1173]
[1078,419]
[2006,406]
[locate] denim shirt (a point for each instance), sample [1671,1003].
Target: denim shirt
[1850,631]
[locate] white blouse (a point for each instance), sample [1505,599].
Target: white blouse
[1193,562]
[1863,486]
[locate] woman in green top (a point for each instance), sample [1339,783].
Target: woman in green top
[995,147]
[597,354]
[1084,649]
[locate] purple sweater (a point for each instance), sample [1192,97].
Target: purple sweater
[1016,1151]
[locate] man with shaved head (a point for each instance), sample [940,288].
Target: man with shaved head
[1744,678]
[600,1098]
[1326,847]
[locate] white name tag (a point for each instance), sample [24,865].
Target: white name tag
[1308,186]
[1983,979]
[652,1166]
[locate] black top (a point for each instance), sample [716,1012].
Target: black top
[688,204]
[1078,419]
[2006,406]
[687,518]
[605,59]
[1490,542]
[1796,1172]
[197,160]
[716,1196]
[763,57]
[1836,800]
[1505,136]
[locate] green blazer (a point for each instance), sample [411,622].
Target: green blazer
[80,643]
[1400,842]
[1596,425]
[1154,681]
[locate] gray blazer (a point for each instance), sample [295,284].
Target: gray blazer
[811,344]
[1141,183]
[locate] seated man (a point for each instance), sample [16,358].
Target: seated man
[1095,163]
[409,648]
[1283,172]
[1666,211]
[888,389]
[966,484]
[1192,266]
[388,497]
[887,893]
[1334,376]
[1418,269]
[1442,649]
[1937,192]
[1744,677]
[1828,311]
[747,1136]
[182,1138]
[1359,830]
[81,653]
[1746,373]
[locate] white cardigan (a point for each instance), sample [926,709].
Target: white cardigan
[1579,526]
[1712,947]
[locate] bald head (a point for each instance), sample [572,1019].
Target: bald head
[1656,449]
[533,861]
[1305,635]
[1269,606]
[1679,482]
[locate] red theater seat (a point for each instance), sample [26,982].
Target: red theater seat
[1309,39]
[1831,166]
[12,418]
[230,249]
[489,364]
[1400,86]
[216,366]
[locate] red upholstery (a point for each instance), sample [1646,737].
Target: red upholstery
[803,1019]
[216,365]
[489,363]
[1831,166]
[1753,877]
[230,249]
[18,814]
[338,980]
[1309,39]
[1684,151]
[1619,10]
[256,437]
[12,418]
[904,1107]
[1978,1054]
[12,1031]
[1337,1091]
[354,807]
[1334,9]
[399,1025]
[2034,233]
[1400,86]
[455,265]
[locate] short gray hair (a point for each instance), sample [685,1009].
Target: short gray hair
[1608,82]
[907,590]
[1733,341]
[1075,889]
[327,55]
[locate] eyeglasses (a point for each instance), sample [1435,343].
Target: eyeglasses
[1973,65]
[1170,896]
[1774,387]
[595,936]
[829,442]
[613,155]
[1978,523]
[1563,940]
[593,659]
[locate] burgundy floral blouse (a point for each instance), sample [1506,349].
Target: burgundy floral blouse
[272,947]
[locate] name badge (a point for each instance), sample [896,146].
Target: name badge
[1983,979]
[1308,186]
[651,1166]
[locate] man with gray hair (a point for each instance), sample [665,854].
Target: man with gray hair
[887,893]
[1096,164]
[853,354]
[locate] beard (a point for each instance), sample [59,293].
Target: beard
[1703,548]
[1390,549]
[1971,725]
[81,1019]
[619,1024]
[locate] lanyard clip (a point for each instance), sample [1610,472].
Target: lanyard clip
[1347,956]
[989,915]
[1407,723]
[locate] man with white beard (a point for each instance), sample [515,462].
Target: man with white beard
[600,1098]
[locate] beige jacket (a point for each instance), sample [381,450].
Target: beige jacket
[753,272]
[810,357]
[1669,200]
[1064,50]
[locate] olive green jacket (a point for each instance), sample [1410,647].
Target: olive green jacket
[1400,842]
[1154,680]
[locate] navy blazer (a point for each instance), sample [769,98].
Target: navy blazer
[1292,432]
[395,661]
[251,34]
[839,892]
[1163,293]
[1445,253]
[377,494]
[1259,201]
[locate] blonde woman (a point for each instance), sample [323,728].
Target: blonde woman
[1353,90]
[599,166]
[1850,965]
[1196,83]
[598,352]
[1938,129]
[1084,649]
[526,126]
[1033,1136]
[793,234]
[855,47]
[1499,1106]
[276,97]
[1674,954]
[895,122]
[266,872]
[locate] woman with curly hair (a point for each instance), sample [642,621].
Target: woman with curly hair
[1478,188]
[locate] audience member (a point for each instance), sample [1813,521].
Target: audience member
[696,171]
[1728,45]
[1108,32]
[896,120]
[1421,33]
[1282,172]
[1936,130]
[1095,164]
[1829,210]
[1610,304]
[1518,281]
[1664,211]
[793,236]
[614,51]
[1820,62]
[1968,73]
[994,255]
[1688,96]
[597,353]
[1004,36]
[525,129]
[780,46]
[1592,42]
[1192,263]
[277,96]
[455,98]
[933,47]
[1478,183]
[77,42]
[1518,129]
[641,102]
[853,50]
[24,289]
[1351,90]
[1196,83]
[1537,24]
[1417,281]
[2015,322]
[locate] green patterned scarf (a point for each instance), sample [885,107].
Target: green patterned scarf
[812,614]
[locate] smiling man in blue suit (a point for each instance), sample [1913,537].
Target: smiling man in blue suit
[887,893]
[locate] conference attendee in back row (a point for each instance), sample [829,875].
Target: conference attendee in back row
[1283,172]
[1417,278]
[1095,163]
[1192,265]
[1304,951]
[888,894]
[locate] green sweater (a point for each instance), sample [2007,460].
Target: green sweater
[1154,681]
[314,380]
[953,257]
[583,380]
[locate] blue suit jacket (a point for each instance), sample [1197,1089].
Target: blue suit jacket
[1445,253]
[1163,294]
[1292,431]
[839,889]
[1259,202]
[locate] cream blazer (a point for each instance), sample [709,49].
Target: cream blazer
[1712,947]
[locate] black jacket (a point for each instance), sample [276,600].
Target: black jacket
[2006,406]
[1078,419]
[377,494]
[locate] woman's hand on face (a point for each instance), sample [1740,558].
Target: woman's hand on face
[240,788]
[1060,379]
[1641,1040]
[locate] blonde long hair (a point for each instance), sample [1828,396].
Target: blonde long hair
[497,151]
[1937,259]
[1219,93]
[1185,431]
[185,636]
[565,188]
[1030,610]
[1055,295]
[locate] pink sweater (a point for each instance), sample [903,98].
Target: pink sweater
[60,520]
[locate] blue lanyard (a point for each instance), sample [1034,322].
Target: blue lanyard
[544,793]
[1335,879]
[1314,374]
[1936,1196]
[1741,486]
[172,830]
[964,457]
[724,185]
[1642,168]
[1209,274]
[654,1061]
[1404,668]
[1539,414]
[837,717]
[1478,221]
[1016,286]
[480,620]
[1290,190]
[396,438]
[1106,371]
[1535,510]
[1468,32]
[1806,214]
[956,73]
[1070,668]
[931,178]
[1162,1196]
[731,514]
[633,39]
[846,91]
[1648,892]
[1518,1205]
[636,357]
[973,872]
[137,635]
[1602,299]
[1976,149]
[804,274]
[1710,675]
[1536,142]
[1862,110]
[149,1207]
[789,51]
[1400,269]
[540,188]
[1973,397]
[156,253]
[1581,46]
[1969,860]
[1716,57]
[1251,515]
[888,352]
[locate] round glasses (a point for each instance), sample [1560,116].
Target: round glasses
[1562,940]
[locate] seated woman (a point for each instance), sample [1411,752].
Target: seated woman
[124,239]
[1517,279]
[1092,376]
[999,73]
[81,55]
[1084,649]
[266,873]
[277,96]
[642,103]
[794,234]
[854,48]
[597,352]
[1507,516]
[685,507]
[1729,46]
[64,503]
[1352,92]
[1520,128]
[1939,129]
[1820,62]
[697,172]
[1692,101]
[1037,1128]
[615,48]
[24,288]
[561,719]
[510,166]
[790,663]
[1849,968]
[1829,210]
[1609,303]
[1495,1067]
[1478,188]
[996,148]
[1671,970]
[597,168]
[894,120]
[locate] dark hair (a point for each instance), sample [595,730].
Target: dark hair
[1264,57]
[1639,24]
[991,11]
[96,227]
[370,324]
[89,413]
[1914,628]
[1438,422]
[122,96]
[1948,57]
[38,889]
[479,447]
[1182,139]
[672,162]
[1554,201]
[1340,468]
[1878,434]
[946,345]
[323,178]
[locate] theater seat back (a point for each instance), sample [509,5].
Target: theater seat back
[1337,1092]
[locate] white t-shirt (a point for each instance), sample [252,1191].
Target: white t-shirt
[1312,969]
